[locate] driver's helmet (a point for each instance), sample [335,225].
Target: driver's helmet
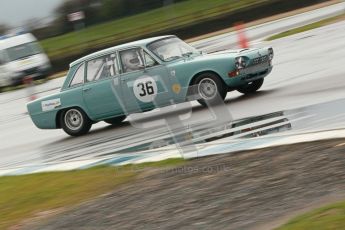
[130,60]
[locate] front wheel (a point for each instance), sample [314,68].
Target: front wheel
[115,120]
[209,88]
[251,87]
[75,122]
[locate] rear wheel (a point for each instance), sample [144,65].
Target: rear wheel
[115,120]
[207,87]
[251,87]
[75,122]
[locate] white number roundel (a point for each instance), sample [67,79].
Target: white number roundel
[145,89]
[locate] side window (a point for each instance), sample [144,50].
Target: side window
[102,67]
[2,57]
[149,60]
[131,60]
[78,78]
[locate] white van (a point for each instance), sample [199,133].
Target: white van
[21,56]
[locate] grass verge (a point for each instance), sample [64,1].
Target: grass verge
[314,25]
[330,217]
[24,197]
[267,19]
[165,18]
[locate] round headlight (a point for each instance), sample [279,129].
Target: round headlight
[240,62]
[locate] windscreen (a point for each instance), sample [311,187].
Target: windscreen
[22,51]
[171,48]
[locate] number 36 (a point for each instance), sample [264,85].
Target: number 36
[146,88]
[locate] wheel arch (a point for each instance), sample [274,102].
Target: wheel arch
[203,72]
[58,114]
[192,81]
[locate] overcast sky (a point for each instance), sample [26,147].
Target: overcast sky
[16,12]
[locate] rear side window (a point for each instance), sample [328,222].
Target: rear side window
[101,68]
[78,78]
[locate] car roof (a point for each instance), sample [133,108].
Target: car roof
[114,48]
[12,41]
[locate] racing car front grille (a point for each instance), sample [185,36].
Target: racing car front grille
[260,60]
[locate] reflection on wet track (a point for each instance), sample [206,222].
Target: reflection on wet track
[310,118]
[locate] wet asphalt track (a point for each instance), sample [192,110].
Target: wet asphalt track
[309,69]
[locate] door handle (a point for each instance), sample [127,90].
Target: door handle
[86,89]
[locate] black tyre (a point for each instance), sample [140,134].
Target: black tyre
[75,122]
[251,87]
[115,120]
[209,88]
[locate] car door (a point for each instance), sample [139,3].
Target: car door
[145,82]
[102,91]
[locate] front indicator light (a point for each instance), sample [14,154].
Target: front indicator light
[234,73]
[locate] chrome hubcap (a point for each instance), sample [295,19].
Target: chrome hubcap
[73,119]
[207,88]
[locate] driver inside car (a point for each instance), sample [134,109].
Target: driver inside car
[130,61]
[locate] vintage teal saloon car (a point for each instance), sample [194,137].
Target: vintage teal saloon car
[139,76]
